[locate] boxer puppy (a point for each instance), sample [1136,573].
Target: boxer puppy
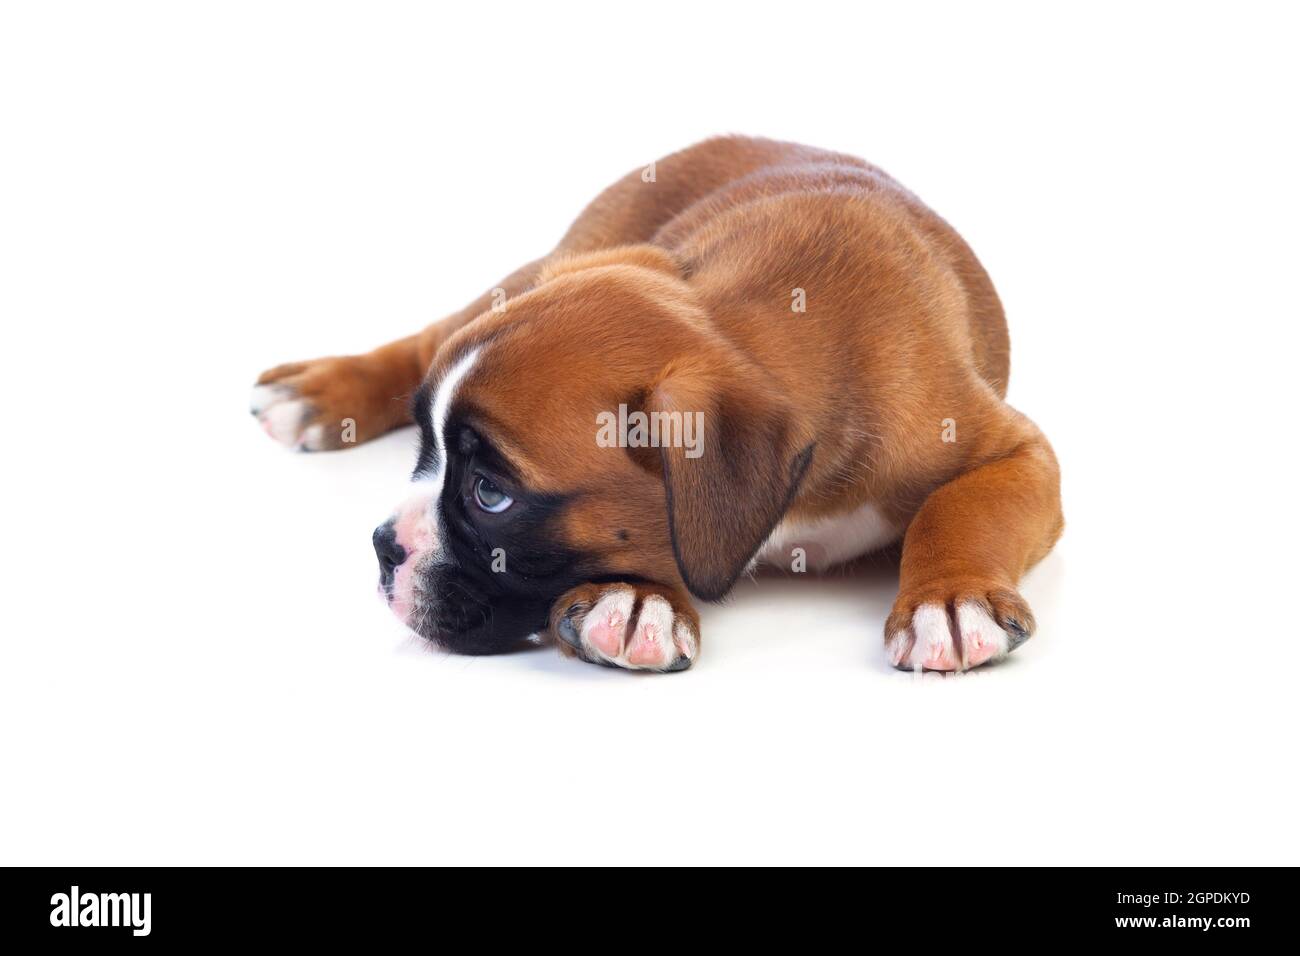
[750,351]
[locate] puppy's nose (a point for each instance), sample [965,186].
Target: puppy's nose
[390,553]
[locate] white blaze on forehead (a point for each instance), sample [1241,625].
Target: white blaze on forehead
[441,407]
[417,523]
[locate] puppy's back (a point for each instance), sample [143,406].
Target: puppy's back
[761,219]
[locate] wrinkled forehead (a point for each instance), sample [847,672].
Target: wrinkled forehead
[536,377]
[538,411]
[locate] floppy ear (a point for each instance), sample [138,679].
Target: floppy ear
[728,487]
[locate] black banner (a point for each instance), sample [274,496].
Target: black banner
[138,907]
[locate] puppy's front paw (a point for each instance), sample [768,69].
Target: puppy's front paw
[955,628]
[325,403]
[636,626]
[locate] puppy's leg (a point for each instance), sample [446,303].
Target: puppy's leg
[963,554]
[336,402]
[635,626]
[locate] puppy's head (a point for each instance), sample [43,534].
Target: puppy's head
[595,430]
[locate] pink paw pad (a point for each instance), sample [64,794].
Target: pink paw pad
[645,653]
[650,642]
[640,635]
[606,634]
[934,649]
[932,643]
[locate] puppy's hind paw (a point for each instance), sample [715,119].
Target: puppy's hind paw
[957,634]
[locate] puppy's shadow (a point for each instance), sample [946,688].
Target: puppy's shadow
[769,611]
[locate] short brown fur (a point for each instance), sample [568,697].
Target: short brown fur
[677,293]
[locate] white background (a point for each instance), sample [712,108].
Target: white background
[195,668]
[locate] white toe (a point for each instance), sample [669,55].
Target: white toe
[313,439]
[934,647]
[283,421]
[899,649]
[651,641]
[981,638]
[264,396]
[684,639]
[611,612]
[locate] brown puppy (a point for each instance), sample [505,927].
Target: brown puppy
[749,351]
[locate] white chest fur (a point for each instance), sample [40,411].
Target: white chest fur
[828,541]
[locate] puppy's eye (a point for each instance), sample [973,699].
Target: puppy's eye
[490,498]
